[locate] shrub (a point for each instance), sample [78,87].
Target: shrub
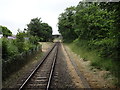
[9,49]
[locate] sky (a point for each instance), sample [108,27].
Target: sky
[16,14]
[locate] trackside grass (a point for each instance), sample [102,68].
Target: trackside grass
[81,48]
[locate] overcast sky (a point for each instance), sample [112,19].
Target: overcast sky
[16,14]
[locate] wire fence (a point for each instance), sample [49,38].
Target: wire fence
[16,62]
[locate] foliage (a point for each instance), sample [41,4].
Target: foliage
[15,63]
[41,30]
[96,24]
[6,32]
[33,39]
[96,27]
[66,24]
[8,49]
[46,32]
[20,41]
[18,51]
[24,41]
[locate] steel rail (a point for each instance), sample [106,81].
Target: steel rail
[25,82]
[52,69]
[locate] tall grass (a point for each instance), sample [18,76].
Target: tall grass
[81,48]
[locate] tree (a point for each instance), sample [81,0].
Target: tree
[34,27]
[6,32]
[46,31]
[39,29]
[94,23]
[66,24]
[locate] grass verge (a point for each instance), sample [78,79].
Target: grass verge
[80,48]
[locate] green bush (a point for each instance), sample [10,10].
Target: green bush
[14,63]
[9,49]
[17,52]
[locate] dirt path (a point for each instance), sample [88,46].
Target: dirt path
[74,76]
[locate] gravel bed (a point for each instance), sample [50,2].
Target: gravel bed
[62,78]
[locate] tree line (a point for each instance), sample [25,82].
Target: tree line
[96,27]
[42,30]
[16,51]
[95,23]
[28,38]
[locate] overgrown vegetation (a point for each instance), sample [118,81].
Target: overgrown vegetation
[94,29]
[16,52]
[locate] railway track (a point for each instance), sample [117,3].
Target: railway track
[41,76]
